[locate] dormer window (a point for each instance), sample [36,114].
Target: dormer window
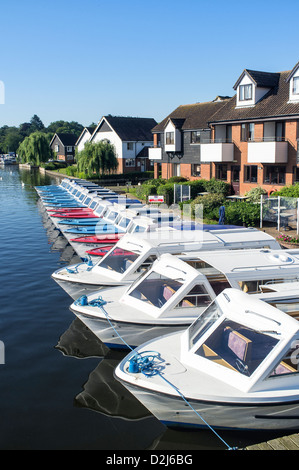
[293,80]
[169,138]
[245,92]
[296,86]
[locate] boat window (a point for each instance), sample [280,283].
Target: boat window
[123,222]
[289,306]
[289,363]
[156,289]
[216,278]
[112,215]
[197,297]
[105,212]
[87,201]
[99,210]
[204,267]
[81,197]
[203,322]
[253,286]
[138,228]
[237,347]
[93,204]
[147,263]
[118,260]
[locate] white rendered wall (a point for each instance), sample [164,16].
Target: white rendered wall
[293,97]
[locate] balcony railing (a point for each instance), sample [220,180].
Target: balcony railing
[268,151]
[216,151]
[155,153]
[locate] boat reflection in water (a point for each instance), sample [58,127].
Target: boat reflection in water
[102,392]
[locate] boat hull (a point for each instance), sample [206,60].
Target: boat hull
[173,411]
[132,335]
[76,289]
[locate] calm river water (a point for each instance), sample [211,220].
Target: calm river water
[57,389]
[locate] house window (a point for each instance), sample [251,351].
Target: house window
[245,92]
[169,138]
[195,170]
[69,149]
[195,137]
[274,174]
[250,174]
[247,132]
[279,131]
[130,162]
[129,145]
[56,148]
[228,133]
[296,86]
[221,172]
[296,174]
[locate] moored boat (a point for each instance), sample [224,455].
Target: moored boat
[235,367]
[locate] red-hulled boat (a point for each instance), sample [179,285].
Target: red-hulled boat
[100,239]
[103,250]
[76,215]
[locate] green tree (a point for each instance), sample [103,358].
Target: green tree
[65,127]
[35,149]
[36,124]
[97,158]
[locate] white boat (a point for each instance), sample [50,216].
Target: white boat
[134,253]
[235,367]
[122,225]
[175,291]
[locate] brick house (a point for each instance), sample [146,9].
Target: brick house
[178,139]
[253,135]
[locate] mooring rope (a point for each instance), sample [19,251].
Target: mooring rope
[74,270]
[145,362]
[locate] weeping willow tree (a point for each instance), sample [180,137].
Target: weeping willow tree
[34,149]
[97,158]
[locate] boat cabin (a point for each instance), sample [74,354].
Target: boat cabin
[195,279]
[248,342]
[134,253]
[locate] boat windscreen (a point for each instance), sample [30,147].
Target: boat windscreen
[118,261]
[237,347]
[156,289]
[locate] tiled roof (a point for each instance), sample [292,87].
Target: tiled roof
[274,104]
[262,79]
[67,139]
[132,128]
[191,116]
[91,129]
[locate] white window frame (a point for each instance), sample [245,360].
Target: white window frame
[246,92]
[296,86]
[130,162]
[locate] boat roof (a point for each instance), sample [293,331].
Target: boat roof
[251,260]
[241,237]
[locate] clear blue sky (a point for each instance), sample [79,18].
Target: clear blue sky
[79,60]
